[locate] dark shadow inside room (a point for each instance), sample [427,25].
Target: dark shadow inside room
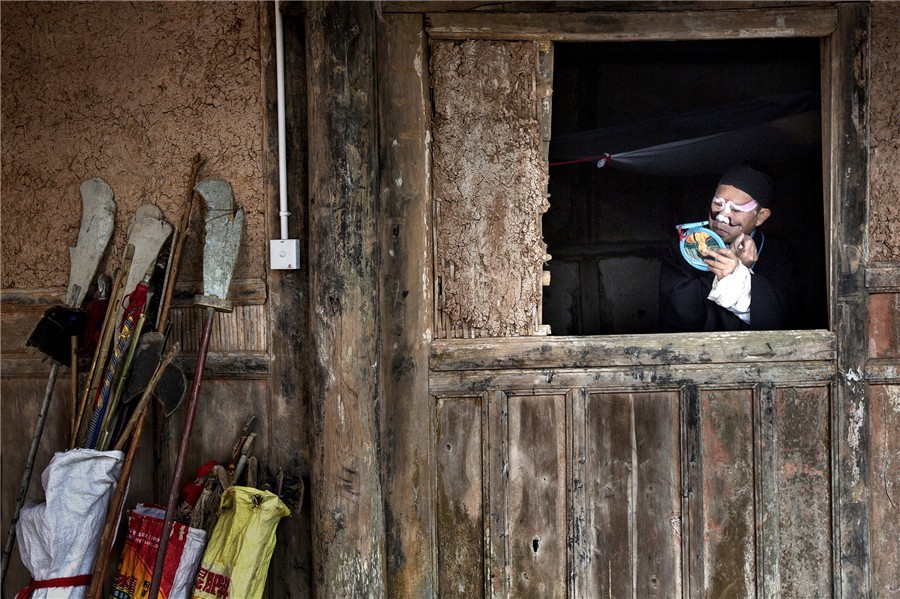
[666,119]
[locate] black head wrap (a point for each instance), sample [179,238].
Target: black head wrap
[754,183]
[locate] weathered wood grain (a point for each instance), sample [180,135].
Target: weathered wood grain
[459,468]
[883,371]
[846,56]
[537,496]
[347,501]
[725,533]
[884,486]
[496,442]
[573,6]
[634,378]
[624,26]
[633,490]
[406,304]
[884,325]
[883,277]
[631,350]
[801,478]
[290,570]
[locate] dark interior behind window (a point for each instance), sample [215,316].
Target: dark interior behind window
[607,227]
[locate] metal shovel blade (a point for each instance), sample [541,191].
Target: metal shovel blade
[172,385]
[147,233]
[98,215]
[223,238]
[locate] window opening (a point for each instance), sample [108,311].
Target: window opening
[665,119]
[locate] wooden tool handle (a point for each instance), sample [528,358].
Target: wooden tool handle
[175,258]
[109,327]
[101,561]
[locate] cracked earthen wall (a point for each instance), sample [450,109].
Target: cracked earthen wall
[884,122]
[129,92]
[490,186]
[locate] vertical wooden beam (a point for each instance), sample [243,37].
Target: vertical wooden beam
[692,564]
[348,514]
[290,573]
[849,79]
[406,303]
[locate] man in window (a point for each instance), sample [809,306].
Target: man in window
[749,283]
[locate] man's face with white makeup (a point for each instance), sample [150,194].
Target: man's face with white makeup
[733,212]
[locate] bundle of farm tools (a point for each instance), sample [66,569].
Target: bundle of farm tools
[66,541]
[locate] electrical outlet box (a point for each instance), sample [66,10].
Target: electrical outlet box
[284,254]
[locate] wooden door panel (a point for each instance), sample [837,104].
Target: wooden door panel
[794,492]
[536,496]
[632,497]
[460,497]
[722,554]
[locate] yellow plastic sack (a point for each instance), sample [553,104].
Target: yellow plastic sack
[236,561]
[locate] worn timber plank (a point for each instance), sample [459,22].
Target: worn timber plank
[884,325]
[633,493]
[847,57]
[884,486]
[630,26]
[290,570]
[634,378]
[347,501]
[802,475]
[537,495]
[725,533]
[495,446]
[460,497]
[883,277]
[406,304]
[631,350]
[883,371]
[572,6]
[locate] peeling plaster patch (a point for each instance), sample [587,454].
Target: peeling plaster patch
[854,376]
[893,395]
[853,432]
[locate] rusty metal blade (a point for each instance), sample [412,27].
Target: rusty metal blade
[98,215]
[223,236]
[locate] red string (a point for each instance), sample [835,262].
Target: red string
[605,157]
[71,581]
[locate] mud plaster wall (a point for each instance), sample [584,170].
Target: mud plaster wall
[129,92]
[884,122]
[489,187]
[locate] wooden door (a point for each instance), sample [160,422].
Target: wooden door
[642,466]
[569,467]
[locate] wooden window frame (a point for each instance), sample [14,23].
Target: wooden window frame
[821,22]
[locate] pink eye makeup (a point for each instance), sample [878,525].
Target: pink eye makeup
[729,206]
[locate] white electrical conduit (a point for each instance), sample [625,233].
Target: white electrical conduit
[282,143]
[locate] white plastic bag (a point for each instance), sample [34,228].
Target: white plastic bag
[59,537]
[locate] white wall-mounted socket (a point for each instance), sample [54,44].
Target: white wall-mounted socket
[284,254]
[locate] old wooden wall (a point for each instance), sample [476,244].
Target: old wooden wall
[500,473]
[883,283]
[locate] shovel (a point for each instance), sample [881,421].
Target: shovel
[223,238]
[171,384]
[97,222]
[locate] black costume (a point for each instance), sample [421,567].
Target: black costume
[683,290]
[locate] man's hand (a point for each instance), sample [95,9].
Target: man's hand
[722,262]
[745,249]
